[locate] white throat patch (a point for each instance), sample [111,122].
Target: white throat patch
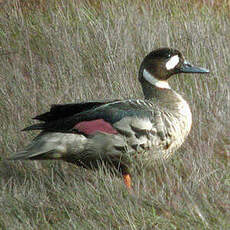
[152,80]
[173,61]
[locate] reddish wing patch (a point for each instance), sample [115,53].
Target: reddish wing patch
[90,127]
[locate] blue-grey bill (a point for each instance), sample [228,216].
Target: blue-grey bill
[189,68]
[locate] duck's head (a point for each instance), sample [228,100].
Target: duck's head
[159,65]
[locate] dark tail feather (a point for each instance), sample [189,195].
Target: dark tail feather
[39,126]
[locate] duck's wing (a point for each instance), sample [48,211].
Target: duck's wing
[93,116]
[60,111]
[106,130]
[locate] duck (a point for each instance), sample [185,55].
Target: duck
[112,132]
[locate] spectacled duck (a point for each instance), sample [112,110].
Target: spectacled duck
[114,131]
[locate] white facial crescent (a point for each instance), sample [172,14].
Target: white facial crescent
[172,62]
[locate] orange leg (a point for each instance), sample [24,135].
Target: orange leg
[127,180]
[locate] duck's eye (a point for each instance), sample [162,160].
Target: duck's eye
[169,56]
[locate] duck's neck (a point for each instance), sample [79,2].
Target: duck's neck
[165,97]
[158,90]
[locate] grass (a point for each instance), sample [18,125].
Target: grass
[68,51]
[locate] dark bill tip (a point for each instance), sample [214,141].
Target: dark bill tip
[189,68]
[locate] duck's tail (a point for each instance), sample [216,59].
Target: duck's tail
[51,146]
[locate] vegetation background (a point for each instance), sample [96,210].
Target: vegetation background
[57,51]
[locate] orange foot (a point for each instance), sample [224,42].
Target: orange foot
[127,180]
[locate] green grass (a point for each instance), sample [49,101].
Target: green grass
[68,51]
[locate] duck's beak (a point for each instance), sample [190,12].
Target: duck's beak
[189,68]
